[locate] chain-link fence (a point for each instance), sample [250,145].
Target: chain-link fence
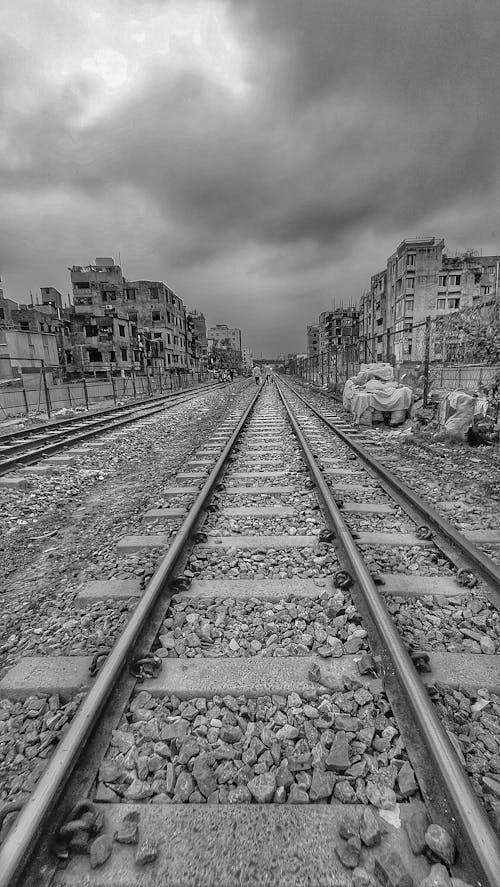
[457,350]
[37,393]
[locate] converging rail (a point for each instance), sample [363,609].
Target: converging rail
[263,717]
[32,444]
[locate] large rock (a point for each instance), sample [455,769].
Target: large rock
[440,842]
[322,784]
[138,791]
[204,777]
[407,783]
[369,828]
[338,756]
[263,787]
[184,786]
[380,796]
[297,795]
[416,827]
[283,775]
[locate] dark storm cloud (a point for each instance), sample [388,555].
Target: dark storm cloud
[357,121]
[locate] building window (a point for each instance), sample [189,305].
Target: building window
[82,285]
[153,292]
[410,260]
[441,304]
[156,316]
[90,331]
[123,353]
[485,290]
[455,279]
[442,280]
[410,284]
[104,297]
[121,330]
[95,356]
[25,325]
[454,303]
[409,306]
[130,293]
[490,269]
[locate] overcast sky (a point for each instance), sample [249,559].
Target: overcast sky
[263,157]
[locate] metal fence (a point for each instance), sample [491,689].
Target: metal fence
[37,394]
[457,350]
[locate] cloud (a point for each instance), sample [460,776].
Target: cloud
[263,158]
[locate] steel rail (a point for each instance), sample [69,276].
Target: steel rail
[101,426]
[20,841]
[488,569]
[471,817]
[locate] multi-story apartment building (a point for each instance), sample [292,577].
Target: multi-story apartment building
[224,347]
[246,359]
[225,337]
[200,329]
[159,333]
[312,339]
[420,281]
[338,328]
[372,320]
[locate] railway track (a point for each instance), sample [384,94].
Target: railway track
[29,445]
[277,689]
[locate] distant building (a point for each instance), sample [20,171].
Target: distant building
[312,339]
[338,328]
[375,346]
[225,337]
[200,329]
[246,359]
[224,347]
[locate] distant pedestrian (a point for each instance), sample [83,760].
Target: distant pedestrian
[256,374]
[269,373]
[231,373]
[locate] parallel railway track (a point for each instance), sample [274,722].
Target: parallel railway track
[261,634]
[29,445]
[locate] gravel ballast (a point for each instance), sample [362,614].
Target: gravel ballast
[342,747]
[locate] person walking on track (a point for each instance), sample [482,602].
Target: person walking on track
[256,374]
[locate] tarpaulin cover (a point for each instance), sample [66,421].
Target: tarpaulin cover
[381,396]
[459,408]
[383,371]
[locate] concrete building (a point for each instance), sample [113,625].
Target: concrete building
[160,338]
[312,339]
[200,329]
[225,337]
[224,347]
[374,346]
[28,342]
[337,328]
[420,281]
[246,360]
